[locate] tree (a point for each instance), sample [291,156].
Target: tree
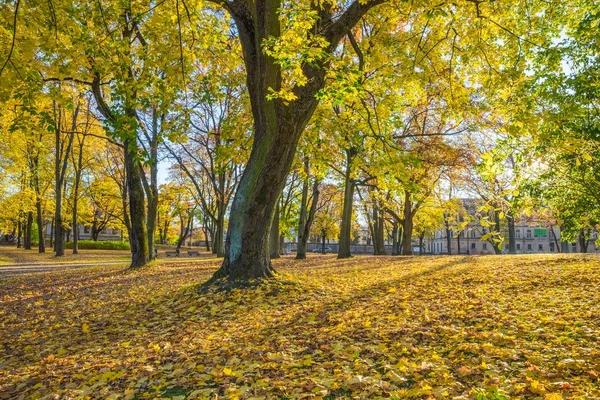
[281,109]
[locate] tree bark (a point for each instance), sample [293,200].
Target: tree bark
[346,224]
[40,226]
[28,226]
[305,230]
[277,128]
[138,237]
[407,225]
[583,241]
[395,239]
[512,237]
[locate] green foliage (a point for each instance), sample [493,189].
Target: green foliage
[100,245]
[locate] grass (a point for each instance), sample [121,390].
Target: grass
[369,327]
[12,255]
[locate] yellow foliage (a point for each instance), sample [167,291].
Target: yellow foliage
[369,327]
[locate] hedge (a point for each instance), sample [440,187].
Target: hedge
[100,245]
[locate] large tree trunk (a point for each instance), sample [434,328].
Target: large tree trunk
[346,224]
[138,238]
[277,129]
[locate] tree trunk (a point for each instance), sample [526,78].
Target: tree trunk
[59,232]
[556,241]
[274,235]
[28,226]
[19,233]
[395,238]
[218,247]
[138,238]
[40,226]
[346,224]
[52,233]
[407,226]
[421,247]
[583,242]
[277,129]
[495,244]
[305,232]
[448,236]
[512,237]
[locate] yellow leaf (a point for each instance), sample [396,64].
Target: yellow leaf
[85,328]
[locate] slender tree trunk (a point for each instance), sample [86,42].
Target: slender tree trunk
[583,242]
[421,247]
[305,233]
[556,241]
[274,235]
[206,238]
[28,226]
[40,226]
[512,237]
[395,238]
[76,203]
[301,245]
[448,234]
[52,233]
[346,224]
[407,226]
[19,233]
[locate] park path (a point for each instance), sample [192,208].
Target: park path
[10,270]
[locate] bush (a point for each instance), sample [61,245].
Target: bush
[100,245]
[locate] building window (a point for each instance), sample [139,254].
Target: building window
[528,233]
[473,233]
[518,246]
[552,246]
[474,246]
[529,247]
[484,246]
[115,231]
[518,233]
[86,229]
[540,247]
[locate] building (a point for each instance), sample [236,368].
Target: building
[531,237]
[85,233]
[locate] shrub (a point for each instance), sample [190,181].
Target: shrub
[100,245]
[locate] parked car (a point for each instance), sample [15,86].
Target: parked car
[320,249]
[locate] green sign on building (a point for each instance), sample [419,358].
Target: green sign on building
[540,232]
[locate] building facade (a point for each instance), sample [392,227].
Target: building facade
[531,237]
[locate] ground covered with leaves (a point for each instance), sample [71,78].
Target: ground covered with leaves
[368,327]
